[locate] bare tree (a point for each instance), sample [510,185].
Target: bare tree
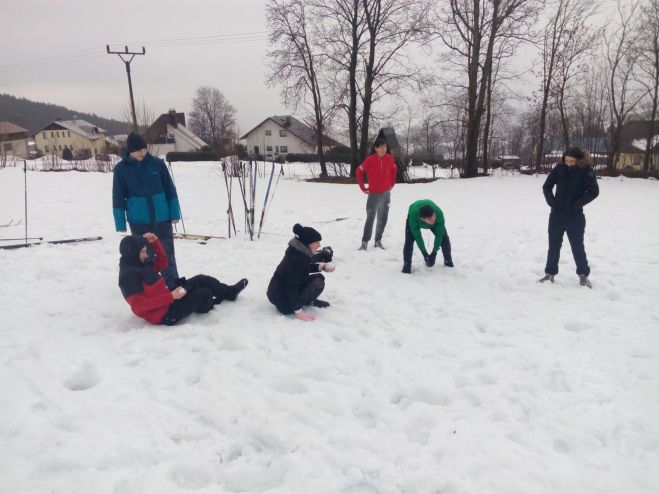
[144,113]
[648,71]
[471,29]
[296,62]
[213,118]
[622,58]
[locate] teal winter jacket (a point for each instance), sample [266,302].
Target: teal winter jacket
[143,192]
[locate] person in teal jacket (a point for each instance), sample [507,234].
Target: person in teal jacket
[143,193]
[427,215]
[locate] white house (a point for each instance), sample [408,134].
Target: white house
[169,133]
[82,138]
[281,135]
[13,140]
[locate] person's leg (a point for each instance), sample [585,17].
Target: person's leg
[371,208]
[555,231]
[575,228]
[219,290]
[446,249]
[408,248]
[165,233]
[311,288]
[382,214]
[199,300]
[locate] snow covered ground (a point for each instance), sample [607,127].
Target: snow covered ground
[475,379]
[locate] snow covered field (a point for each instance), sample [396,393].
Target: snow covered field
[475,379]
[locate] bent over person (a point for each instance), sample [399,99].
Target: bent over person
[425,214]
[143,193]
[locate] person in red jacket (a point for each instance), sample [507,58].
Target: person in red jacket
[147,294]
[380,170]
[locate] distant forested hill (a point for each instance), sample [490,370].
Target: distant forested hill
[33,115]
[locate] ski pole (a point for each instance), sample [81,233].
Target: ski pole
[265,200]
[171,172]
[25,189]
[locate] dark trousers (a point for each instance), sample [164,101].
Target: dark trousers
[203,292]
[409,245]
[310,289]
[574,225]
[376,205]
[165,233]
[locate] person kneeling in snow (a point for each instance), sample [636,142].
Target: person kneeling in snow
[147,294]
[425,214]
[297,280]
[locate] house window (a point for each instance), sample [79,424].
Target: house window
[269,149]
[283,133]
[57,134]
[60,147]
[47,150]
[276,149]
[268,132]
[69,132]
[283,149]
[7,146]
[52,134]
[171,139]
[45,135]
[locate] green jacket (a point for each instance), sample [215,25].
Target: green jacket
[415,223]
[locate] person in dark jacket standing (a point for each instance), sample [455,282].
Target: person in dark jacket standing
[576,186]
[425,214]
[297,280]
[380,170]
[147,294]
[143,192]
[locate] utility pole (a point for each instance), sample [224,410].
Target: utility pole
[130,84]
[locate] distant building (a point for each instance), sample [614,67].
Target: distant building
[510,161]
[169,133]
[284,134]
[84,139]
[633,143]
[13,140]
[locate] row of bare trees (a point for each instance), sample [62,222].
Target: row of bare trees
[445,73]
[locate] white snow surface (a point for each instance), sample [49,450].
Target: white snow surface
[475,379]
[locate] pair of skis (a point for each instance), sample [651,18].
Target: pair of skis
[12,222]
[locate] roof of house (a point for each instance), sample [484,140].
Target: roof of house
[157,132]
[82,127]
[10,128]
[634,137]
[594,144]
[297,128]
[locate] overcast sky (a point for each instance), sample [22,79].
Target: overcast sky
[55,52]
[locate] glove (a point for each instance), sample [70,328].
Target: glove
[426,257]
[304,316]
[323,255]
[328,267]
[430,262]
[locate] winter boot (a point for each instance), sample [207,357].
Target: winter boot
[448,263]
[407,268]
[364,245]
[321,304]
[234,290]
[378,244]
[584,281]
[547,277]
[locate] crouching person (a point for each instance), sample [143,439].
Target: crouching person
[147,294]
[427,215]
[297,280]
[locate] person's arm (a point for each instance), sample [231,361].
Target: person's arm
[414,222]
[118,203]
[170,193]
[548,186]
[438,229]
[159,256]
[394,172]
[591,192]
[360,177]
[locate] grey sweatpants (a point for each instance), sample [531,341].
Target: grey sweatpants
[376,205]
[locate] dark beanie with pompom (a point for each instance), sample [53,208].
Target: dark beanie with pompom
[575,152]
[306,234]
[135,142]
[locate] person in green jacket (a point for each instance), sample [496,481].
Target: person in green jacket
[425,214]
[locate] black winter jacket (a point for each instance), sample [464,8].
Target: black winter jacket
[287,282]
[576,186]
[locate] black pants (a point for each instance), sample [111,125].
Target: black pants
[203,293]
[574,225]
[310,289]
[409,245]
[165,233]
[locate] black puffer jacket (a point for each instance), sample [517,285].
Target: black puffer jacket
[287,282]
[576,186]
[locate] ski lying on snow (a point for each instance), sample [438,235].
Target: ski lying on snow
[194,236]
[11,223]
[56,242]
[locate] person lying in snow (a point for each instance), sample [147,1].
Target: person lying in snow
[147,294]
[425,214]
[297,280]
